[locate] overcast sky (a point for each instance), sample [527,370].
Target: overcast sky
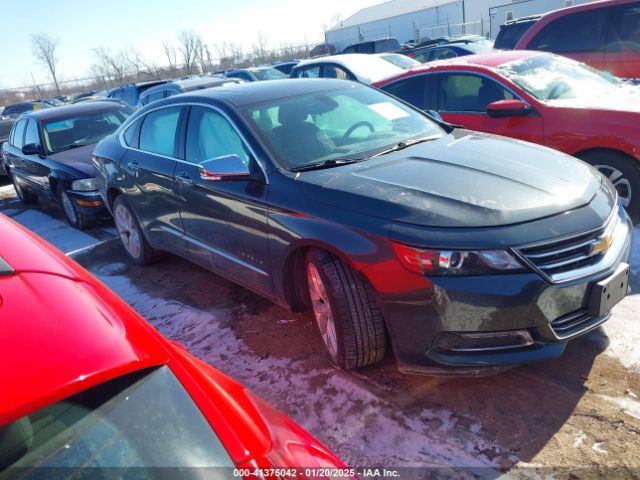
[82,25]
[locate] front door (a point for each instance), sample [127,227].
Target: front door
[225,221]
[462,99]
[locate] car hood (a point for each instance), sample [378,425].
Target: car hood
[626,99]
[461,180]
[78,158]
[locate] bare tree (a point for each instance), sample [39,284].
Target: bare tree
[44,49]
[112,66]
[134,61]
[170,52]
[189,41]
[260,49]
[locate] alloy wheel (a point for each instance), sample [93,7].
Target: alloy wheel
[322,310]
[619,181]
[128,231]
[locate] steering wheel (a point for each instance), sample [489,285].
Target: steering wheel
[558,89]
[357,125]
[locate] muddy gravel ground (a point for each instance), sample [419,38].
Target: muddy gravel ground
[574,417]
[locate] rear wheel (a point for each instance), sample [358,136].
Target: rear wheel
[348,317]
[75,219]
[130,233]
[624,173]
[25,196]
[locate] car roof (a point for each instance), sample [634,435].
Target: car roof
[490,59]
[66,111]
[364,66]
[62,331]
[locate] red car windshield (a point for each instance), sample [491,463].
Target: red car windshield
[549,77]
[144,420]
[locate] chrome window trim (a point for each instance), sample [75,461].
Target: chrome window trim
[190,104]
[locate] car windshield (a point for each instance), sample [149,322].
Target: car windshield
[549,77]
[268,74]
[144,420]
[347,124]
[73,132]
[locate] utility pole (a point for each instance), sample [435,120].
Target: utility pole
[37,86]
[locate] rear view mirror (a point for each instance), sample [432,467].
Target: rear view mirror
[31,149]
[435,115]
[226,167]
[508,108]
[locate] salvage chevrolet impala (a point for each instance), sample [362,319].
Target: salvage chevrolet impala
[465,250]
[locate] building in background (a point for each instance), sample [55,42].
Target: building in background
[422,19]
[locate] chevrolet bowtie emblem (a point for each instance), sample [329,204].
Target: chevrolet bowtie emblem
[601,244]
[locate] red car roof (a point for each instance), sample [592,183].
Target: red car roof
[490,59]
[60,336]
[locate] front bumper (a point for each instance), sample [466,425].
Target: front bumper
[89,204]
[547,314]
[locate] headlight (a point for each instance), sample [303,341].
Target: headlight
[456,262]
[84,185]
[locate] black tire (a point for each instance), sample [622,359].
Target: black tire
[146,253]
[74,218]
[359,325]
[611,165]
[25,196]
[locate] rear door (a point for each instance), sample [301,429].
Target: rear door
[622,53]
[149,165]
[462,98]
[225,221]
[580,36]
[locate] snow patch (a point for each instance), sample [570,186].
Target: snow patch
[597,447]
[59,234]
[628,405]
[578,438]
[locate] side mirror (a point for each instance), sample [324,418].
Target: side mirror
[508,108]
[31,149]
[226,167]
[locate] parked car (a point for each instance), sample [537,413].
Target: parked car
[465,250]
[450,50]
[381,45]
[535,96]
[286,67]
[406,49]
[5,130]
[322,50]
[77,96]
[181,86]
[130,94]
[13,111]
[401,61]
[356,66]
[603,34]
[95,389]
[48,154]
[256,74]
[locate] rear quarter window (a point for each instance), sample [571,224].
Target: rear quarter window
[510,35]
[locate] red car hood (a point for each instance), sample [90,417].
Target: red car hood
[626,100]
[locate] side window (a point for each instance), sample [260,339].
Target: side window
[129,95]
[152,97]
[158,131]
[577,32]
[349,49]
[624,34]
[171,93]
[210,135]
[32,135]
[423,57]
[309,72]
[132,135]
[469,93]
[443,53]
[334,71]
[19,134]
[410,90]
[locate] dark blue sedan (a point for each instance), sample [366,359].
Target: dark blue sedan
[48,154]
[450,50]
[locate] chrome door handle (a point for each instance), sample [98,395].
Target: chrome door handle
[135,166]
[185,178]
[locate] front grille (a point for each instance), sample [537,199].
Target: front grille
[575,322]
[564,255]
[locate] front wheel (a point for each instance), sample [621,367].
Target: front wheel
[74,218]
[130,233]
[345,308]
[624,173]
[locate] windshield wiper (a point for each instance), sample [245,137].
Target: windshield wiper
[405,144]
[334,162]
